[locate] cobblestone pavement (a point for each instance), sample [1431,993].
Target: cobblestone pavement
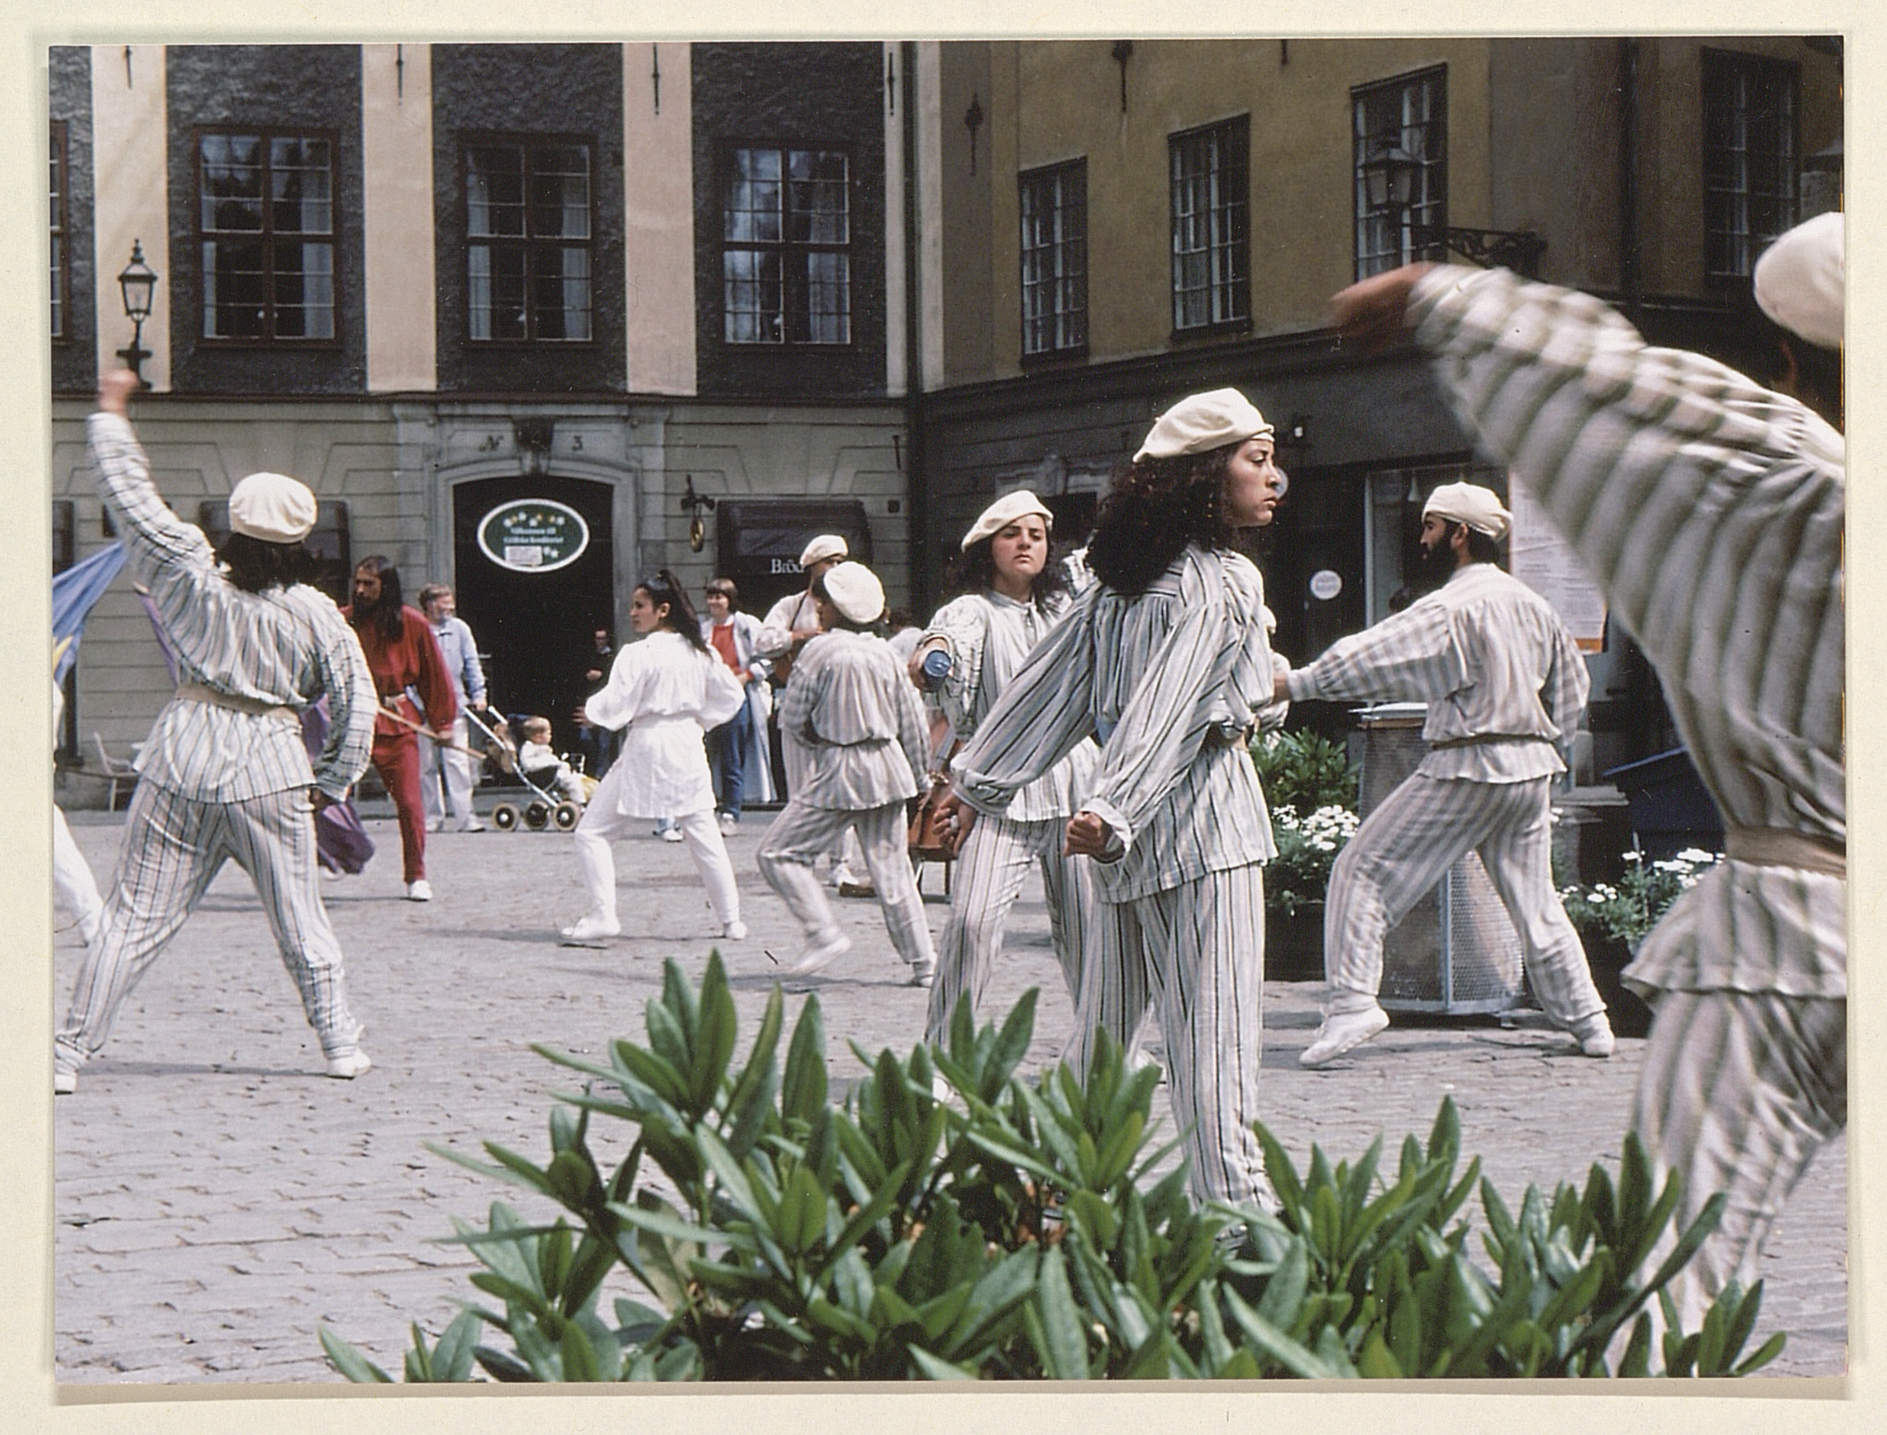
[217,1197]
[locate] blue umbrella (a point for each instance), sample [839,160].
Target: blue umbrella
[73,594]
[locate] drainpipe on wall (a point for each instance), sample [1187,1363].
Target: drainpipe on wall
[1630,273]
[916,480]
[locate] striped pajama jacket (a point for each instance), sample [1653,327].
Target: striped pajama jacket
[852,706]
[1711,512]
[990,637]
[217,781]
[1504,683]
[1171,680]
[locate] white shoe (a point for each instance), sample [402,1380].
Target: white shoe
[730,824]
[591,927]
[64,1082]
[435,824]
[1594,1036]
[420,891]
[1341,1031]
[331,874]
[821,952]
[472,824]
[346,1068]
[923,973]
[671,834]
[735,931]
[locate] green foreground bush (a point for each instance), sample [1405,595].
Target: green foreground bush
[1017,1232]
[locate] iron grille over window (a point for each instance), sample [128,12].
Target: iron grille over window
[61,247]
[265,228]
[1749,158]
[528,242]
[1055,259]
[1410,113]
[1211,185]
[786,268]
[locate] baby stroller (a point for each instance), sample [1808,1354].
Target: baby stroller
[544,808]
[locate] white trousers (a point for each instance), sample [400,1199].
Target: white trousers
[1407,845]
[1739,1091]
[602,824]
[1195,953]
[801,832]
[452,768]
[984,885]
[173,848]
[72,881]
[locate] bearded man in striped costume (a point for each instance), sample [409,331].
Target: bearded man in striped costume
[1710,509]
[224,773]
[1504,683]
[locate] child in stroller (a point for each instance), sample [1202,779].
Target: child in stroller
[541,767]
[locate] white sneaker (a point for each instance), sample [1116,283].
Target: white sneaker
[730,824]
[923,973]
[331,874]
[1341,1031]
[735,931]
[822,951]
[671,834]
[435,824]
[1594,1036]
[472,824]
[592,927]
[420,891]
[346,1068]
[64,1082]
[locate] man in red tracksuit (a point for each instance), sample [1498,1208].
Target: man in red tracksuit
[405,660]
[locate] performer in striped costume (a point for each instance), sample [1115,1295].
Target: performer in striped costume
[224,773]
[1710,509]
[852,707]
[1504,683]
[1014,598]
[1165,660]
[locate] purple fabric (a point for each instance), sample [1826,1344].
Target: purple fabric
[343,844]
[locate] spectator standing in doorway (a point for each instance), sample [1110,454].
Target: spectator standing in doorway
[448,765]
[737,754]
[597,745]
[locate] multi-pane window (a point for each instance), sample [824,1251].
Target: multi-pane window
[1749,158]
[266,233]
[1211,184]
[61,246]
[786,231]
[1409,114]
[528,241]
[1054,206]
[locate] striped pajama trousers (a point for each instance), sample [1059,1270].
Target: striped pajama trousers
[1408,844]
[797,759]
[801,832]
[1739,1091]
[1195,953]
[174,847]
[985,883]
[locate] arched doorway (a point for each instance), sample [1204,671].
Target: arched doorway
[534,559]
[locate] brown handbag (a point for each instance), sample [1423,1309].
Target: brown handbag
[926,839]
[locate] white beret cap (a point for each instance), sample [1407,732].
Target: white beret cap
[1469,503]
[856,592]
[1005,511]
[1801,280]
[272,507]
[1202,423]
[826,545]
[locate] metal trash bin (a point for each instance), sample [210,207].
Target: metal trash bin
[1456,952]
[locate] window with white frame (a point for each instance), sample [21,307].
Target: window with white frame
[1211,204]
[1750,158]
[1411,114]
[786,234]
[528,241]
[1054,211]
[266,235]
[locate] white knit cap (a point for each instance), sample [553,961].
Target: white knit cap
[1801,280]
[1202,423]
[272,507]
[1005,511]
[1469,503]
[856,592]
[826,545]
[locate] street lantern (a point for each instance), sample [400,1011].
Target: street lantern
[1389,176]
[138,283]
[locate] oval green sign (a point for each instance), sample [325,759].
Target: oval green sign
[533,535]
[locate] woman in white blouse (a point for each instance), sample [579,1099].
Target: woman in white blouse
[663,693]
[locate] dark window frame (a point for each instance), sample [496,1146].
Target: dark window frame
[1734,232]
[1425,137]
[59,216]
[529,244]
[265,134]
[1066,323]
[795,285]
[1234,138]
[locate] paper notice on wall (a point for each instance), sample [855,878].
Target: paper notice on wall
[1546,564]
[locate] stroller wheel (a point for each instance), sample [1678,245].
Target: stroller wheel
[504,817]
[537,816]
[566,815]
